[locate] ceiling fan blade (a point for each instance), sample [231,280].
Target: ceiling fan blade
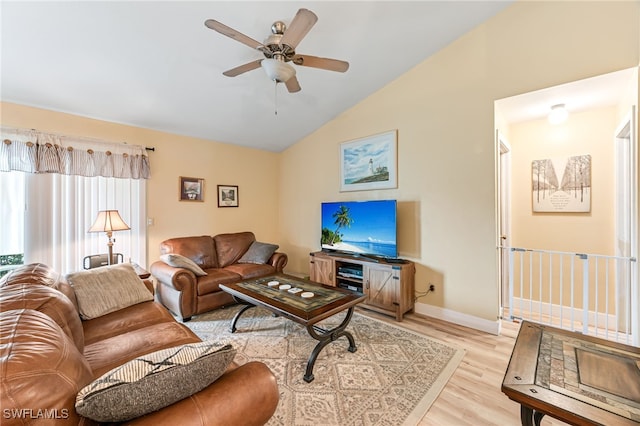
[293,85]
[299,27]
[231,33]
[243,68]
[323,63]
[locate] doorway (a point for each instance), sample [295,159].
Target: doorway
[622,161]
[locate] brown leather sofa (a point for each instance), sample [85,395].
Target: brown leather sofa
[186,294]
[47,354]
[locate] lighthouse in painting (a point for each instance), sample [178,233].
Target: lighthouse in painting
[371,166]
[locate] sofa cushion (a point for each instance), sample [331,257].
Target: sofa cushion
[215,277]
[251,270]
[231,247]
[41,368]
[258,253]
[36,273]
[179,261]
[107,289]
[125,320]
[154,381]
[199,249]
[39,274]
[50,302]
[106,354]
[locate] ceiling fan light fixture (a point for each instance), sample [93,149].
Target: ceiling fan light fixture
[558,114]
[278,71]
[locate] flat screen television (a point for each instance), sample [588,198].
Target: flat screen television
[365,228]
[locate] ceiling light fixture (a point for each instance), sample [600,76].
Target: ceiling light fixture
[558,114]
[277,70]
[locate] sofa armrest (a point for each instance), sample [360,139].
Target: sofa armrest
[247,395]
[179,278]
[177,288]
[149,284]
[279,261]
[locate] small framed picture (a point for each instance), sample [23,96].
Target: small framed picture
[191,189]
[227,196]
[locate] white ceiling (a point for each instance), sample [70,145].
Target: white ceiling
[596,92]
[153,64]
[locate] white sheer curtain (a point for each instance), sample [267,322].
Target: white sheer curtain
[52,212]
[60,209]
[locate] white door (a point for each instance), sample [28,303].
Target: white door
[504,216]
[626,219]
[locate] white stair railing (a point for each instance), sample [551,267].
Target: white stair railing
[590,293]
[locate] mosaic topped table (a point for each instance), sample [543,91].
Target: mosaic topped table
[302,301]
[581,380]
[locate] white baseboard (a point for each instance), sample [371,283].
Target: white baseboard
[455,317]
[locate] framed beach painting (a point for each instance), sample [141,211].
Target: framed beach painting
[369,163]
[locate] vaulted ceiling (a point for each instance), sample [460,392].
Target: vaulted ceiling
[154,64]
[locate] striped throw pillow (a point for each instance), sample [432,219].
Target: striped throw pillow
[153,381]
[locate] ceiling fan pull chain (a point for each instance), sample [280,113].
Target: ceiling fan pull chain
[275,87]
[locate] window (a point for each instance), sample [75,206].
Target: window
[52,189]
[46,217]
[12,203]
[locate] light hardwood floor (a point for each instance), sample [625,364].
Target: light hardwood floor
[472,396]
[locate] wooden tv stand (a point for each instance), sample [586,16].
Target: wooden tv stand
[389,287]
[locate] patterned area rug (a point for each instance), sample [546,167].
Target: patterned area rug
[393,377]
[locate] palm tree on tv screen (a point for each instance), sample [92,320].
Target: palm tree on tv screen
[342,220]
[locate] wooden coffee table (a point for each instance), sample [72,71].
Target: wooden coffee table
[581,380]
[312,304]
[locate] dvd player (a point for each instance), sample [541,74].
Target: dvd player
[350,287]
[350,271]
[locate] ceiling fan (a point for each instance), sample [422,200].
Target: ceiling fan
[279,50]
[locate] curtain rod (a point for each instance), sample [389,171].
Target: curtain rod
[87,138]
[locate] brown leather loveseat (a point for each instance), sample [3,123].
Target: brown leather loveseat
[48,354]
[224,258]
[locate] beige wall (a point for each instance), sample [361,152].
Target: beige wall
[443,110]
[254,171]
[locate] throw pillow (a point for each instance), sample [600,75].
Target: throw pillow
[258,253]
[154,381]
[179,261]
[107,289]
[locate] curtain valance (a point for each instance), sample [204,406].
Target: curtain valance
[38,152]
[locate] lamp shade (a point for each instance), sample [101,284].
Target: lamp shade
[108,221]
[278,70]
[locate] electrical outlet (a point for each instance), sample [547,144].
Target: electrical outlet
[432,287]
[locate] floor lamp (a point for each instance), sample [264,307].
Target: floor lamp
[109,221]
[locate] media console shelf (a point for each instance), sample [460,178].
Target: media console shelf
[389,287]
